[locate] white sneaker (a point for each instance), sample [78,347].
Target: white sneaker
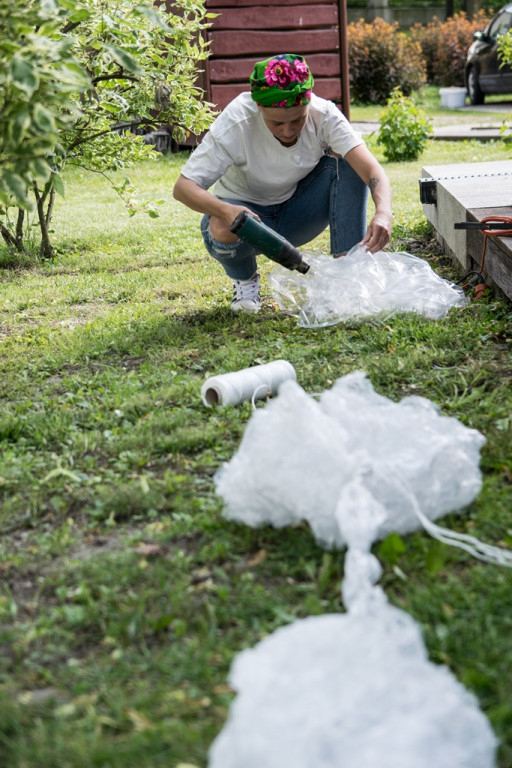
[246,295]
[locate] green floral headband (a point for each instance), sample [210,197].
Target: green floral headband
[282,81]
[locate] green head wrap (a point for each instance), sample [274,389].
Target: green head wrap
[281,81]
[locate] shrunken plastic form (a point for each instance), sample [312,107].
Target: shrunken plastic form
[354,690]
[297,455]
[347,691]
[361,285]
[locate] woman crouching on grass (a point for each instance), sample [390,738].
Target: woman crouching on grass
[291,159]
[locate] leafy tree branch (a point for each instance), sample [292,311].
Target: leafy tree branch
[72,74]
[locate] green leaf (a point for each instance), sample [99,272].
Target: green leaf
[436,558]
[151,15]
[40,168]
[73,74]
[111,108]
[123,59]
[391,548]
[24,76]
[44,119]
[81,15]
[15,185]
[18,127]
[58,184]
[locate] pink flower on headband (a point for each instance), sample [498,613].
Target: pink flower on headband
[279,72]
[301,71]
[301,100]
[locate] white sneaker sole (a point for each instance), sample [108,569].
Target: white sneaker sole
[246,306]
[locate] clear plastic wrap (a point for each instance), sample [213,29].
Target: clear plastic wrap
[360,285]
[354,690]
[297,454]
[350,691]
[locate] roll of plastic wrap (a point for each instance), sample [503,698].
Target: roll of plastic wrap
[256,383]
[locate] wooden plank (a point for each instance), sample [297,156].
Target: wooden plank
[470,192]
[231,43]
[296,17]
[223,94]
[217,6]
[329,88]
[239,70]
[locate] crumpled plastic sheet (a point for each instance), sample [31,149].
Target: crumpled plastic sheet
[361,285]
[298,453]
[354,690]
[346,691]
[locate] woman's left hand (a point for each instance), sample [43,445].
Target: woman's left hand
[378,232]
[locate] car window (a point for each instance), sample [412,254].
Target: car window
[500,25]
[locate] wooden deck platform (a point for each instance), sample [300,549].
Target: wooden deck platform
[468,192]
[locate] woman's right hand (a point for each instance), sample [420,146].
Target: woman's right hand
[234,210]
[220,225]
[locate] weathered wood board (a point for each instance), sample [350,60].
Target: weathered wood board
[471,192]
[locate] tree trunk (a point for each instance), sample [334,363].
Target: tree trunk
[14,239]
[8,237]
[19,229]
[46,249]
[472,7]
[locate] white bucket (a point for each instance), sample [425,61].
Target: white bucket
[452,98]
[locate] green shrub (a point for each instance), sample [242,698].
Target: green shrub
[380,59]
[505,49]
[404,129]
[445,45]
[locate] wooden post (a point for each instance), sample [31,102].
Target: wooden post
[345,84]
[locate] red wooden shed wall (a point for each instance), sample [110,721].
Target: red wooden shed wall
[246,31]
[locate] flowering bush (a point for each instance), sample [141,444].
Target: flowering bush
[380,59]
[445,45]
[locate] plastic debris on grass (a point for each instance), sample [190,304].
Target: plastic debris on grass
[361,285]
[298,454]
[354,690]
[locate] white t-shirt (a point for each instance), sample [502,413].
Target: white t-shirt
[246,162]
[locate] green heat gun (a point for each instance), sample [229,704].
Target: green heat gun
[268,242]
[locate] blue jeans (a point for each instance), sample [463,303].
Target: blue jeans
[331,194]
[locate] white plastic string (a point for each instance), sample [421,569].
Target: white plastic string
[256,396]
[252,384]
[478,549]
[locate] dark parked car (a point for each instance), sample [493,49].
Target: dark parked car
[483,73]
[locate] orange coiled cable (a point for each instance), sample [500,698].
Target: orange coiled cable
[480,287]
[500,232]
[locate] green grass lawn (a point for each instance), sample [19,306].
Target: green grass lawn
[125,595]
[429,100]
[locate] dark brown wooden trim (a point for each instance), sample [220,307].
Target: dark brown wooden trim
[343,51]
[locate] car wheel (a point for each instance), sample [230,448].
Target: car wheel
[476,95]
